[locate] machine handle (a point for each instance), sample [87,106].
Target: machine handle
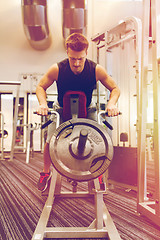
[49,112]
[107,123]
[50,121]
[46,124]
[106,113]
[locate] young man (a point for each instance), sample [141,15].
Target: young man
[75,73]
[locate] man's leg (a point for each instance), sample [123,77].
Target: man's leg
[46,174]
[92,114]
[46,158]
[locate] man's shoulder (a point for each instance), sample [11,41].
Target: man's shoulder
[89,60]
[63,62]
[91,63]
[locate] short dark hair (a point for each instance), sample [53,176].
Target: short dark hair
[77,42]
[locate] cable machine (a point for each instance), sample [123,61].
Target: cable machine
[22,86]
[145,205]
[118,41]
[28,85]
[13,83]
[2,135]
[149,208]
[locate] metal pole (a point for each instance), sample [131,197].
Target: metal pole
[143,103]
[156,106]
[2,136]
[10,83]
[98,84]
[15,122]
[16,83]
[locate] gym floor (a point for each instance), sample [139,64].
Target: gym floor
[21,205]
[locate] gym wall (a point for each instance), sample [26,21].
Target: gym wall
[17,56]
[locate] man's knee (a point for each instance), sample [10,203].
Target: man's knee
[92,112]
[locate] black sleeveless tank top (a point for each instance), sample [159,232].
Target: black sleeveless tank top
[68,81]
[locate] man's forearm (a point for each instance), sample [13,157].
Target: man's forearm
[41,95]
[114,95]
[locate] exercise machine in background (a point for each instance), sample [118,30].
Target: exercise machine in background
[3,135]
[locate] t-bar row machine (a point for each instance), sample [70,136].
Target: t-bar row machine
[81,150]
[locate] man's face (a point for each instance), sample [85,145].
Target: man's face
[76,60]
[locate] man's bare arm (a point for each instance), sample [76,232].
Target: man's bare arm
[45,82]
[110,84]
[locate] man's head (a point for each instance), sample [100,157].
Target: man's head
[76,46]
[77,42]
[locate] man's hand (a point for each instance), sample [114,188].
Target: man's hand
[42,110]
[112,110]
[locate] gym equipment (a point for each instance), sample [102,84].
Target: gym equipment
[102,118]
[116,52]
[30,128]
[73,105]
[125,158]
[90,150]
[124,138]
[3,133]
[30,131]
[145,206]
[14,83]
[81,149]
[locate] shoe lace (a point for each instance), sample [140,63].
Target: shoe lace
[43,177]
[100,179]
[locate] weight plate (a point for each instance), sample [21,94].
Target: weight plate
[92,161]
